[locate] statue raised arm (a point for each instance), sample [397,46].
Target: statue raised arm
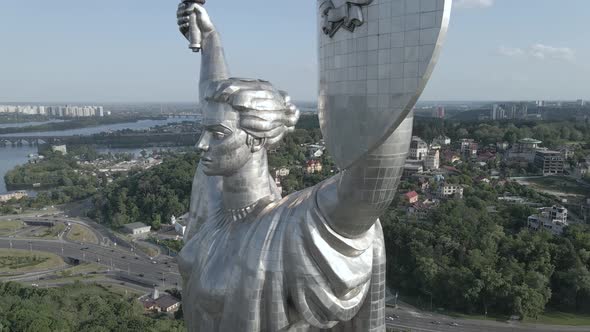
[314,260]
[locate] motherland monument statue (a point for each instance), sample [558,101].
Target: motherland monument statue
[314,260]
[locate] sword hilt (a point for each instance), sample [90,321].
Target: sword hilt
[194,34]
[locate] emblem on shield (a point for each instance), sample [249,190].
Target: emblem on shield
[336,14]
[373,71]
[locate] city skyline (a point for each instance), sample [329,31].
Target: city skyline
[496,50]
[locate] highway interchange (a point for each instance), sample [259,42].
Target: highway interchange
[120,259]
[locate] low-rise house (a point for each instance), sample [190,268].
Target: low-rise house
[442,140]
[583,169]
[449,190]
[313,166]
[486,157]
[179,223]
[159,303]
[566,152]
[552,219]
[469,148]
[451,156]
[14,195]
[315,150]
[424,184]
[137,228]
[413,167]
[281,172]
[411,197]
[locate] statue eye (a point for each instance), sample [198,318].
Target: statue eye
[218,135]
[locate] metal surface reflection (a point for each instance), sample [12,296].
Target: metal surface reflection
[314,260]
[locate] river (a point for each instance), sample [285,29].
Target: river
[26,124]
[14,156]
[141,124]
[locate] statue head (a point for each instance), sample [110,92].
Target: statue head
[242,118]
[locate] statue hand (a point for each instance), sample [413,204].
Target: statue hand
[190,13]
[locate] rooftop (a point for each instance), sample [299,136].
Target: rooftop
[135,225]
[166,301]
[529,140]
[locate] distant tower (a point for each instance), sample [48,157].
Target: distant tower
[155,294]
[494,114]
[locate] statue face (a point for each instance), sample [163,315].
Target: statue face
[223,144]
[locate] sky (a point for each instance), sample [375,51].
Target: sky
[131,50]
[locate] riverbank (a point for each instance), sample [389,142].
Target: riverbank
[76,124]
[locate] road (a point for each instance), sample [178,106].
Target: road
[410,319]
[138,271]
[127,263]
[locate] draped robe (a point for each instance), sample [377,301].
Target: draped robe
[283,269]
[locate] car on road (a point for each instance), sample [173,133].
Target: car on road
[435,322]
[154,262]
[136,257]
[141,275]
[123,257]
[453,324]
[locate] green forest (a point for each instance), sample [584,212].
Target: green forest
[551,133]
[77,307]
[472,261]
[151,196]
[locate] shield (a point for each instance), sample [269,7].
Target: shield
[376,57]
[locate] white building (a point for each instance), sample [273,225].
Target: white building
[180,223]
[15,195]
[442,140]
[552,219]
[418,149]
[315,150]
[449,190]
[137,228]
[59,148]
[281,172]
[432,161]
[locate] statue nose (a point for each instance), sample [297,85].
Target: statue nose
[203,143]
